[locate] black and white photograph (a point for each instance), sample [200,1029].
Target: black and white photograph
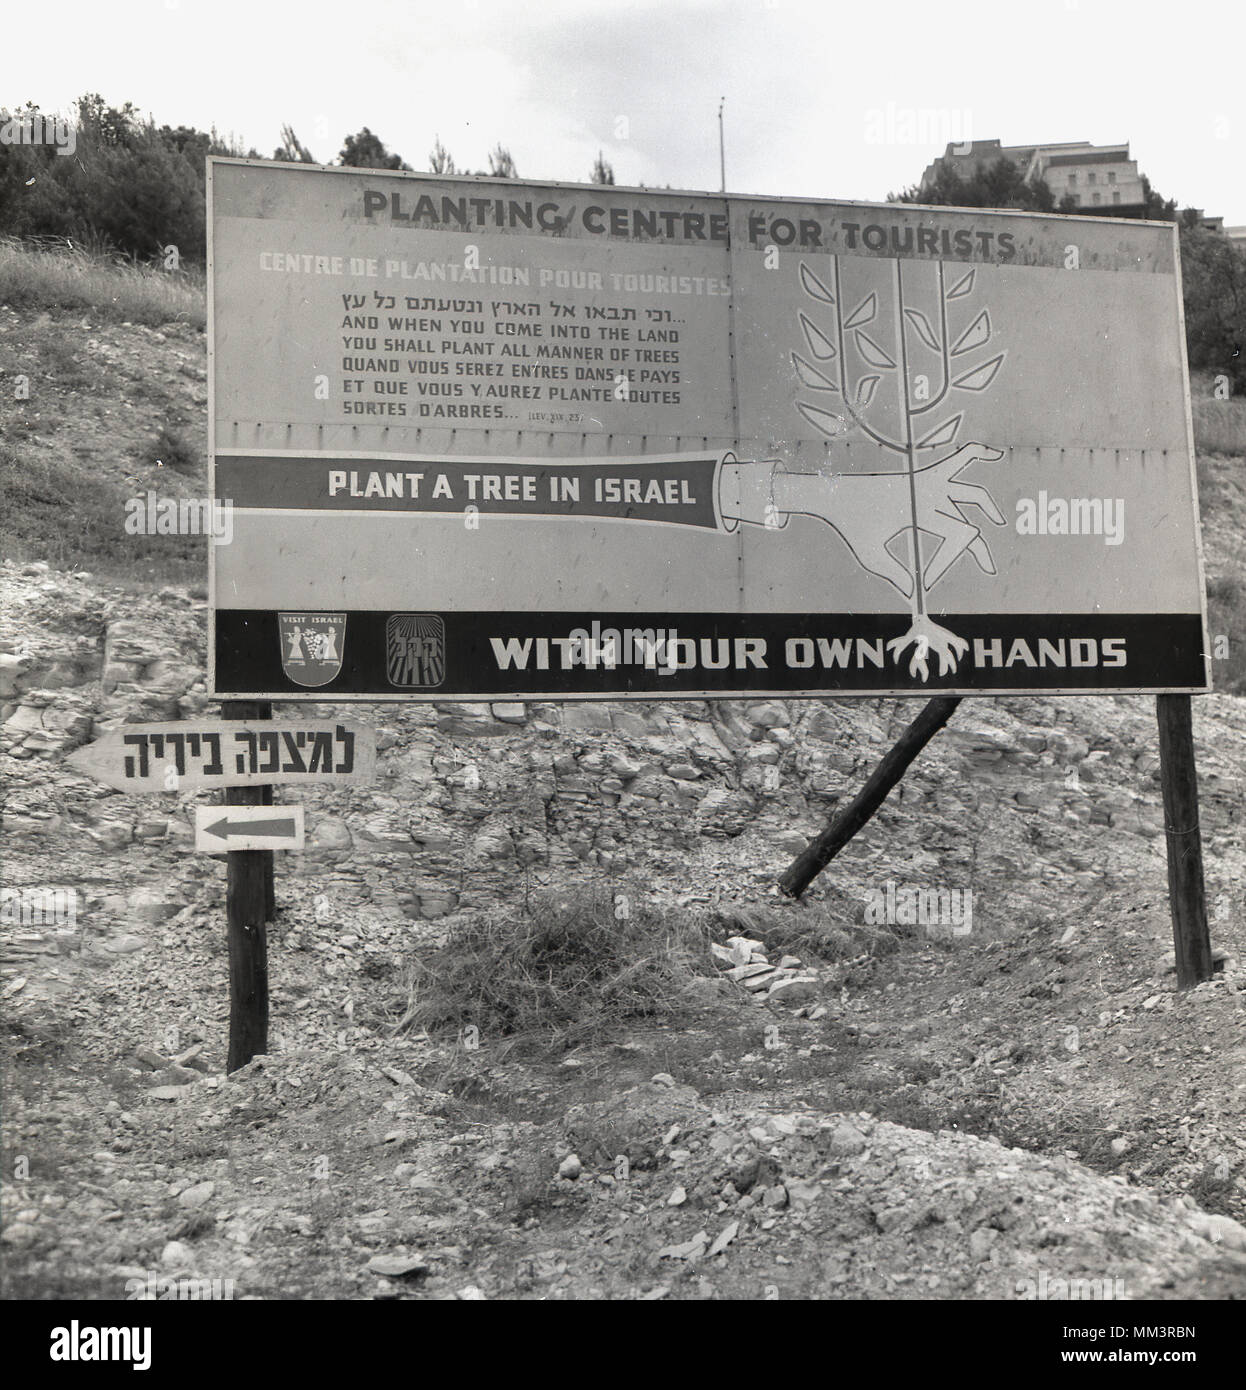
[622,672]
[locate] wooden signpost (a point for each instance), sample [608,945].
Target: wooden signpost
[245,754]
[845,824]
[250,904]
[1186,893]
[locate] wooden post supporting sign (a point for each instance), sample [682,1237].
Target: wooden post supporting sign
[819,853]
[248,908]
[245,755]
[1186,895]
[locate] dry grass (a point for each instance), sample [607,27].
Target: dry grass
[1220,426]
[61,275]
[567,970]
[51,510]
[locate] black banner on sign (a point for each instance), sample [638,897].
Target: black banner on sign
[573,656]
[680,490]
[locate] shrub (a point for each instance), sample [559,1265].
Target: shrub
[569,969]
[171,449]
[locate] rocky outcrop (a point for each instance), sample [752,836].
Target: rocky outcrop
[473,804]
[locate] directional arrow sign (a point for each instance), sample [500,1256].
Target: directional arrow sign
[196,755]
[221,828]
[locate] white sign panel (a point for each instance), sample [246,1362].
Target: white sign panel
[485,439]
[219,829]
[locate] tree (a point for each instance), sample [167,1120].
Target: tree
[292,150]
[602,172]
[1001,184]
[130,186]
[365,151]
[112,126]
[1213,277]
[501,165]
[440,161]
[1156,208]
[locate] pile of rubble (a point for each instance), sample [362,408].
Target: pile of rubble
[745,963]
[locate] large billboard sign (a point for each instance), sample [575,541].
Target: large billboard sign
[493,440]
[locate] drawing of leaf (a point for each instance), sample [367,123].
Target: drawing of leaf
[962,286]
[819,344]
[870,350]
[810,376]
[821,419]
[865,390]
[981,377]
[814,286]
[864,311]
[924,330]
[978,332]
[941,434]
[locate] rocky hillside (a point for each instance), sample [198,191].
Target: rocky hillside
[1051,1029]
[981,1113]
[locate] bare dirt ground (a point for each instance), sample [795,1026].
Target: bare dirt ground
[966,1116]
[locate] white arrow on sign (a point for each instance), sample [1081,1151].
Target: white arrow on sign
[221,828]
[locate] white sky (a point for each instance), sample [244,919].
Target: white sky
[823,99]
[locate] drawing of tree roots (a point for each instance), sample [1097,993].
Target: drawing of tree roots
[850,364]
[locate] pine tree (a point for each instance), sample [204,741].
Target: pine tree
[366,151]
[292,150]
[440,161]
[501,165]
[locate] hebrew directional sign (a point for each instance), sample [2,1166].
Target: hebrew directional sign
[485,439]
[219,829]
[194,756]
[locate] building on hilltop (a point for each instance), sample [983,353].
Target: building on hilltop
[1097,178]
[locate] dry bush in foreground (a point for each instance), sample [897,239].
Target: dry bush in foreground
[566,969]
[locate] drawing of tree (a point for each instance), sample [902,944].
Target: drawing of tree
[850,364]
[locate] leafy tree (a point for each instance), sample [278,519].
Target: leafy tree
[112,126]
[129,184]
[1213,276]
[1156,208]
[365,151]
[193,145]
[602,172]
[1001,184]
